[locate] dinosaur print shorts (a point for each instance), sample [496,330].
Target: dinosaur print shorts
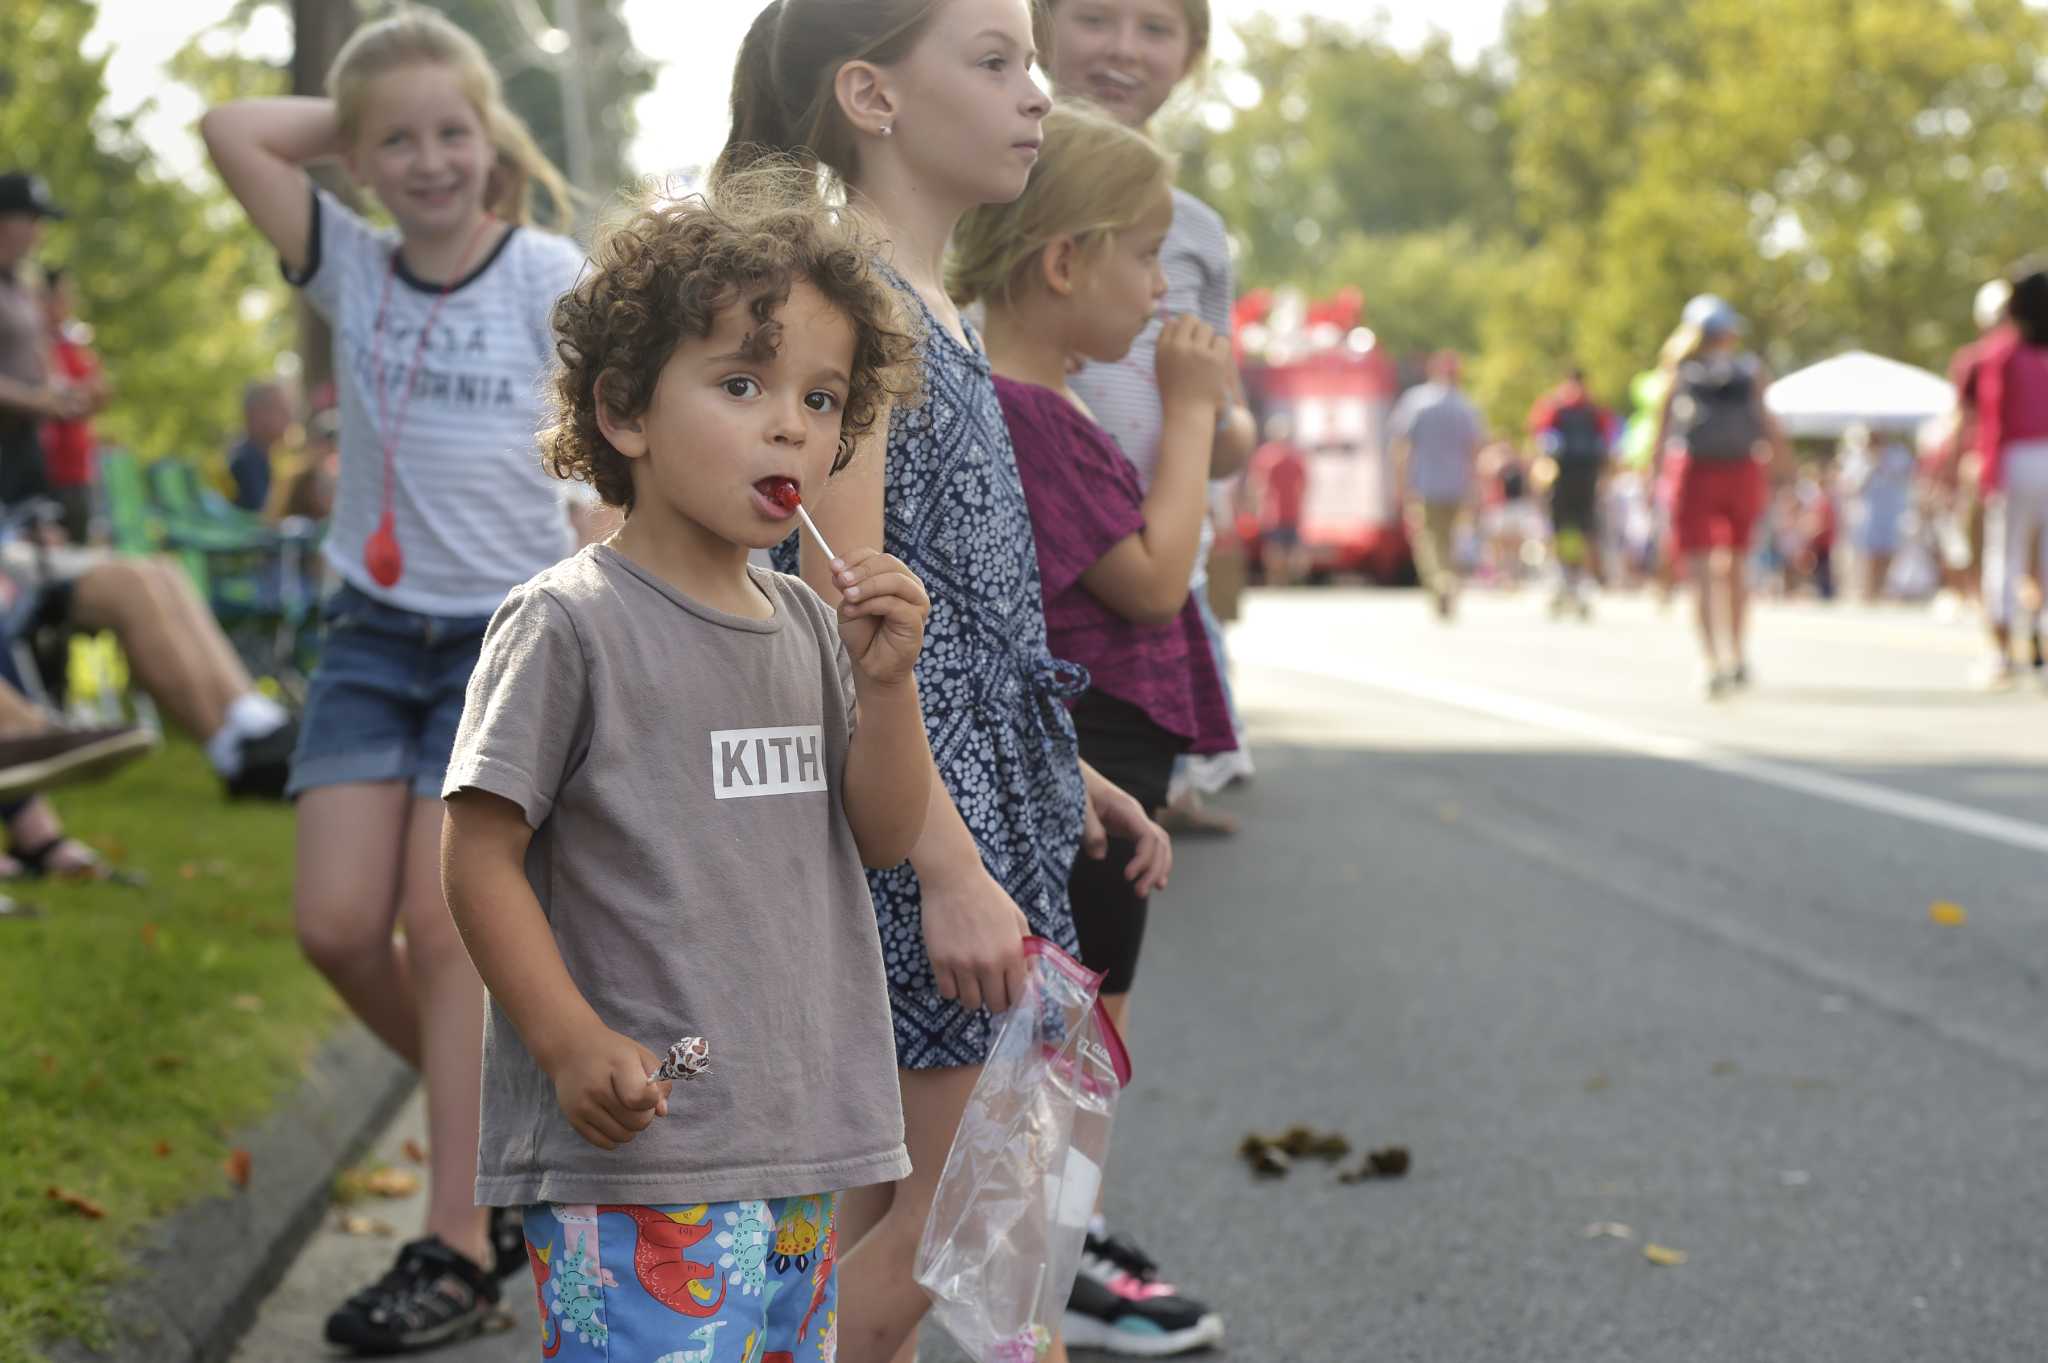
[719,1282]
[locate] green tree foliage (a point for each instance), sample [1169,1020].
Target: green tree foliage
[174,287]
[1351,137]
[1846,171]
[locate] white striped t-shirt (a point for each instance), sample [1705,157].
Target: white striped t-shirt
[474,512]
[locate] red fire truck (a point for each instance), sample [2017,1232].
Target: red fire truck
[1318,363]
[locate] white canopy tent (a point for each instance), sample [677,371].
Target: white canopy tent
[1823,400]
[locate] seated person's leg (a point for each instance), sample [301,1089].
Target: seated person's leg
[180,658]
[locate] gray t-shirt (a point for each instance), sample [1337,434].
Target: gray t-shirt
[1444,432]
[681,769]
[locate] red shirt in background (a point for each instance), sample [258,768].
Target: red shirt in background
[1543,415]
[1280,473]
[68,445]
[2009,380]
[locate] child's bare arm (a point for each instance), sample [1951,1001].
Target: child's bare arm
[882,609]
[600,1077]
[261,147]
[1144,576]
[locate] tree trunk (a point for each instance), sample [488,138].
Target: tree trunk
[319,28]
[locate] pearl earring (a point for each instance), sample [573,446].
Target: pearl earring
[888,128]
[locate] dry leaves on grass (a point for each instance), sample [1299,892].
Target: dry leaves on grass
[77,1202]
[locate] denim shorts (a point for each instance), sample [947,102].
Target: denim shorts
[386,697]
[723,1282]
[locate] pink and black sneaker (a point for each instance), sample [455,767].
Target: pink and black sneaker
[1119,1306]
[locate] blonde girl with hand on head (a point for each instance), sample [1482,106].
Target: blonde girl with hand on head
[441,336]
[1071,271]
[1128,57]
[923,110]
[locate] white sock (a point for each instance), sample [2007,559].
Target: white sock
[1098,1227]
[250,715]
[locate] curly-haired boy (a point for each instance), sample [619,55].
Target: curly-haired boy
[670,771]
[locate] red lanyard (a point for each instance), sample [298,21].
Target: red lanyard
[381,554]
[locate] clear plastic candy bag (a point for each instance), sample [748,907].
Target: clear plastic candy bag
[1004,1238]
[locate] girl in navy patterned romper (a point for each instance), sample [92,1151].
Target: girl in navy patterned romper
[925,109]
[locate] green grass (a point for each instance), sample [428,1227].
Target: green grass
[142,1028]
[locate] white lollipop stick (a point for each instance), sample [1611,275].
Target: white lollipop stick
[812,526]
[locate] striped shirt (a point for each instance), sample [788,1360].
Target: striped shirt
[1124,396]
[474,512]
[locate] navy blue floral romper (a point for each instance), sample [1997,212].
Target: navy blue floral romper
[954,511]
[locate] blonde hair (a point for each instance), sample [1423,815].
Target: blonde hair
[1095,177]
[419,36]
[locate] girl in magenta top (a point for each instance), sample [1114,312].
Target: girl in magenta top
[1071,272]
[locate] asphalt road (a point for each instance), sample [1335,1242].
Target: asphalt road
[1597,951]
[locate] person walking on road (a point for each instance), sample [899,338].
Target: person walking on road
[1279,483]
[1578,435]
[1714,419]
[1437,437]
[2011,389]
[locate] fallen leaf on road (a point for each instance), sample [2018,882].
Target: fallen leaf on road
[1448,813]
[1597,1083]
[392,1183]
[1389,1162]
[1306,1140]
[238,1165]
[1609,1230]
[1947,915]
[1725,1067]
[355,1224]
[77,1202]
[1267,1159]
[414,1151]
[1663,1255]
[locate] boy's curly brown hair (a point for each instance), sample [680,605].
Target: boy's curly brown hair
[667,271]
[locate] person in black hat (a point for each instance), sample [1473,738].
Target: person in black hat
[27,396]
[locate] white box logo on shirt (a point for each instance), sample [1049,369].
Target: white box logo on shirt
[750,762]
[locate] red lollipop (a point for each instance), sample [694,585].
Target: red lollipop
[782,492]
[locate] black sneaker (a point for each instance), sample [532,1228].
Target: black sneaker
[61,755]
[431,1296]
[1119,1306]
[266,764]
[508,1242]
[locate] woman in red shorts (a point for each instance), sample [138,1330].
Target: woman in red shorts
[1715,422]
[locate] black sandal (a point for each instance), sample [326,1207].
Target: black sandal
[431,1296]
[35,864]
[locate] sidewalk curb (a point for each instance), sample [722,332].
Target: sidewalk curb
[201,1274]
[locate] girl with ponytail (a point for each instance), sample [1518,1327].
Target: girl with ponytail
[920,111]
